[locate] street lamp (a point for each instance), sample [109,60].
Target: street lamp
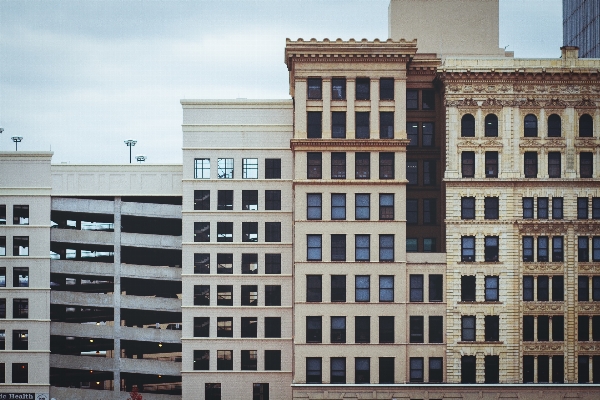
[130,143]
[17,140]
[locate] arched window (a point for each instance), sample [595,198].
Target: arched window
[554,129]
[467,126]
[586,126]
[530,129]
[491,125]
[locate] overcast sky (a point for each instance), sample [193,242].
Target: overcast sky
[80,77]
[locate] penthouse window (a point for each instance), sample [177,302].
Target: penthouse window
[225,168]
[225,200]
[248,327]
[202,168]
[586,165]
[491,125]
[362,165]
[272,199]
[314,166]
[491,164]
[338,165]
[530,126]
[363,88]
[20,245]
[249,231]
[386,165]
[338,124]
[362,125]
[531,164]
[314,124]
[250,200]
[201,199]
[338,288]
[20,215]
[273,168]
[386,125]
[201,231]
[554,126]
[224,231]
[201,295]
[338,330]
[467,126]
[314,88]
[338,89]
[386,89]
[554,164]
[586,126]
[468,164]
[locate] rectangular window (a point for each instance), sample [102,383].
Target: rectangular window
[20,245]
[528,329]
[412,99]
[2,345]
[225,168]
[21,277]
[314,288]
[313,247]
[557,208]
[386,89]
[411,245]
[272,295]
[492,369]
[20,308]
[362,285]
[249,360]
[249,232]
[491,288]
[416,329]
[338,89]
[224,295]
[248,327]
[338,370]
[314,124]
[386,329]
[491,205]
[412,211]
[583,289]
[314,166]
[531,164]
[201,199]
[583,369]
[386,370]
[429,176]
[2,308]
[468,248]
[249,295]
[429,245]
[362,329]
[436,288]
[224,263]
[554,164]
[416,369]
[595,328]
[583,328]
[314,203]
[314,330]
[412,172]
[558,368]
[272,263]
[491,164]
[412,133]
[212,391]
[582,208]
[427,100]
[386,125]
[224,327]
[416,288]
[528,369]
[225,231]
[249,199]
[338,330]
[20,215]
[586,165]
[272,199]
[558,328]
[386,248]
[201,295]
[386,288]
[362,204]
[225,200]
[313,370]
[386,165]
[428,134]
[362,247]
[272,231]
[468,328]
[527,207]
[20,340]
[583,250]
[467,208]
[338,288]
[338,165]
[338,206]
[542,249]
[595,207]
[362,165]
[20,373]
[491,249]
[543,334]
[429,211]
[436,371]
[363,88]
[314,88]
[492,328]
[202,168]
[362,122]
[557,249]
[224,360]
[596,248]
[467,288]
[2,218]
[249,168]
[338,124]
[273,168]
[468,164]
[272,327]
[558,291]
[542,208]
[201,326]
[436,329]
[528,288]
[386,206]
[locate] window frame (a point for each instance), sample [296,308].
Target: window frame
[201,168]
[225,168]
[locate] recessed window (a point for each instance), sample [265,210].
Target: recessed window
[386,370]
[558,288]
[20,308]
[554,126]
[314,206]
[249,263]
[416,288]
[362,329]
[386,288]
[436,371]
[436,329]
[386,125]
[224,360]
[2,308]
[225,231]
[412,172]
[225,200]
[362,285]
[21,277]
[557,249]
[491,164]
[20,245]
[314,124]
[468,248]
[436,288]
[528,288]
[202,168]
[313,370]
[20,340]
[412,132]
[528,369]
[272,327]
[468,164]
[212,391]
[272,263]
[249,360]
[491,248]
[467,208]
[338,330]
[416,329]
[338,247]
[429,245]
[272,295]
[2,214]
[362,125]
[530,128]
[338,88]
[491,205]
[491,125]
[542,249]
[250,200]
[386,329]
[224,327]
[314,88]
[427,100]
[202,361]
[314,166]
[249,168]
[314,330]
[362,165]
[201,295]
[412,211]
[201,199]
[272,231]
[554,168]
[467,288]
[363,88]
[586,126]
[225,168]
[338,288]
[201,232]
[492,328]
[201,326]
[427,134]
[272,168]
[20,373]
[224,295]
[582,208]
[386,206]
[542,208]
[362,204]
[429,173]
[314,288]
[249,232]
[362,247]
[386,248]
[338,165]
[272,199]
[412,99]
[596,248]
[313,247]
[386,165]
[429,211]
[468,328]
[491,288]
[416,369]
[386,89]
[338,206]
[338,124]
[557,208]
[531,164]
[492,369]
[338,370]
[20,215]
[586,165]
[467,126]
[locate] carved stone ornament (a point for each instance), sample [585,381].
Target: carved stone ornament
[555,143]
[585,267]
[492,143]
[492,102]
[530,142]
[556,103]
[587,227]
[543,267]
[588,347]
[467,143]
[530,102]
[537,227]
[544,307]
[588,307]
[468,102]
[585,103]
[453,88]
[504,88]
[542,347]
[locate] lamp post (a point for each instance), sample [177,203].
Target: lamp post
[17,140]
[140,158]
[130,143]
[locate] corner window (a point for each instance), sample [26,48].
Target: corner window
[586,126]
[224,231]
[386,165]
[386,89]
[20,215]
[273,168]
[554,126]
[314,124]
[530,128]
[314,88]
[386,125]
[467,126]
[249,168]
[202,168]
[314,288]
[314,166]
[313,206]
[362,125]
[362,165]
[338,165]
[468,164]
[249,232]
[201,199]
[363,88]
[338,89]
[338,124]
[225,168]
[491,125]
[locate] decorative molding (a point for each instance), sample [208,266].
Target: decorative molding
[555,142]
[588,347]
[591,226]
[589,267]
[535,307]
[542,347]
[530,102]
[541,227]
[588,307]
[531,142]
[470,142]
[556,103]
[492,102]
[543,267]
[585,102]
[586,142]
[299,144]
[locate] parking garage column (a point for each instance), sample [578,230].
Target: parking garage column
[117,298]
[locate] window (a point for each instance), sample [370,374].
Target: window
[362,247]
[338,206]
[249,295]
[428,134]
[557,208]
[558,366]
[492,328]
[362,167]
[20,245]
[468,248]
[412,133]
[386,206]
[429,172]
[557,249]
[583,330]
[586,126]
[338,247]
[314,330]
[314,124]
[20,373]
[386,125]
[386,248]
[20,340]
[467,207]
[491,125]
[362,329]
[491,288]
[528,328]
[2,218]
[467,288]
[313,370]
[386,165]
[202,168]
[260,391]
[20,215]
[20,308]
[314,288]
[313,247]
[554,128]
[491,205]
[272,360]
[338,165]
[249,168]
[436,288]
[201,295]
[412,172]
[491,248]
[531,164]
[583,251]
[542,249]
[338,288]
[530,126]
[411,245]
[248,327]
[273,168]
[224,327]
[416,329]
[583,369]
[362,125]
[436,372]
[554,164]
[542,208]
[314,170]
[436,329]
[412,211]
[338,88]
[596,248]
[528,288]
[492,369]
[416,288]
[338,330]
[412,99]
[416,369]
[491,164]
[314,88]
[225,360]
[528,367]
[225,231]
[468,164]
[338,370]
[582,208]
[224,295]
[596,328]
[225,200]
[249,232]
[225,168]
[249,199]
[338,124]
[386,89]
[272,231]
[527,207]
[363,88]
[362,204]
[467,126]
[3,308]
[543,335]
[313,205]
[468,328]
[386,329]
[427,100]
[429,211]
[272,263]
[362,288]
[272,327]
[386,370]
[558,293]
[586,165]
[201,199]
[2,345]
[558,328]
[272,295]
[224,263]
[21,277]
[386,288]
[201,232]
[212,391]
[272,199]
[201,326]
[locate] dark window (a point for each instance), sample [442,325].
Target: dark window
[468,248]
[528,369]
[467,207]
[528,329]
[362,127]
[386,370]
[363,88]
[314,88]
[491,125]
[583,293]
[527,207]
[412,99]
[492,369]
[586,165]
[201,263]
[212,391]
[338,206]
[542,249]
[362,367]
[338,370]
[201,326]
[313,370]
[468,328]
[386,206]
[429,211]
[249,232]
[468,164]
[21,340]
[314,205]
[554,126]
[250,200]
[427,100]
[338,88]
[272,295]
[467,288]
[386,125]
[272,231]
[528,288]
[386,248]
[201,199]
[314,288]
[272,327]
[491,288]
[225,360]
[362,329]
[595,328]
[338,165]
[436,371]
[313,247]
[272,168]
[21,277]
[314,330]
[2,308]
[315,166]
[436,329]
[583,328]
[225,231]
[557,208]
[582,208]
[362,204]
[248,327]
[530,126]
[338,288]
[386,165]
[467,126]
[224,263]
[338,330]
[338,124]
[386,329]
[436,288]
[386,288]
[583,368]
[249,295]
[224,295]
[491,205]
[429,177]
[416,369]
[492,328]
[416,288]
[596,288]
[249,263]
[557,249]
[491,164]
[2,276]
[225,200]
[542,208]
[558,369]
[272,263]
[362,288]
[467,369]
[416,329]
[543,333]
[528,248]
[428,134]
[20,245]
[558,328]
[20,308]
[491,248]
[2,221]
[272,199]
[314,124]
[558,291]
[596,248]
[583,250]
[20,373]
[201,295]
[386,89]
[554,164]
[586,126]
[412,172]
[224,327]
[362,165]
[362,248]
[542,288]
[531,164]
[260,391]
[412,133]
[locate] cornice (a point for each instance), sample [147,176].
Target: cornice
[330,144]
